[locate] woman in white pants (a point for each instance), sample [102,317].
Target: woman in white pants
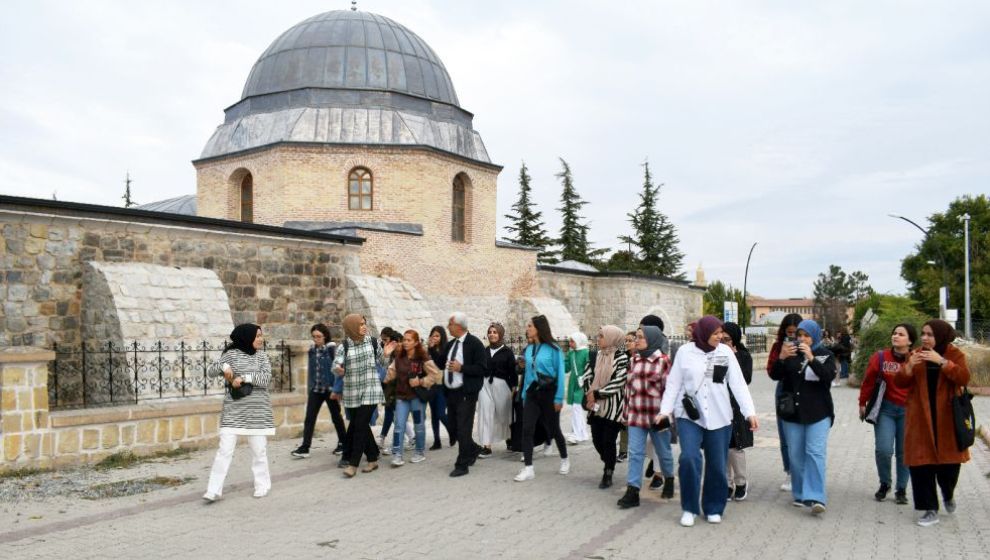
[495,398]
[575,363]
[244,365]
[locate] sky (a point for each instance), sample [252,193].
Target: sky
[798,126]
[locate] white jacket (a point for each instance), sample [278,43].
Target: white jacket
[693,372]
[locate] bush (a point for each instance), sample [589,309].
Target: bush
[877,337]
[886,306]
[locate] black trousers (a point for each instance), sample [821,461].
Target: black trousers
[924,480]
[603,435]
[360,439]
[314,402]
[460,417]
[539,408]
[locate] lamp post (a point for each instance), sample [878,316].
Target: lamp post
[745,279]
[968,323]
[941,256]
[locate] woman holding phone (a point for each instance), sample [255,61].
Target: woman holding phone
[786,333]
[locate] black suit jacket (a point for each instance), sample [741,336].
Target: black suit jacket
[475,365]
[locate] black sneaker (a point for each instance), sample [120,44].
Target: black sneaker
[339,449]
[621,457]
[900,497]
[881,494]
[484,453]
[301,452]
[668,488]
[657,482]
[436,445]
[740,493]
[630,499]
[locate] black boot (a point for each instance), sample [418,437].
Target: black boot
[630,499]
[606,479]
[668,488]
[881,494]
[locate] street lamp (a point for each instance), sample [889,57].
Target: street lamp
[969,322]
[945,283]
[745,279]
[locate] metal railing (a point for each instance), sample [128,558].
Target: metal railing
[104,374]
[755,343]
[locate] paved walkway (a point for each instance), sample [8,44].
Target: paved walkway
[418,512]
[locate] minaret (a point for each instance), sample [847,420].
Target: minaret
[699,277]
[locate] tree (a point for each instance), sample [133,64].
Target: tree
[835,291]
[526,222]
[717,294]
[128,202]
[941,253]
[573,240]
[653,234]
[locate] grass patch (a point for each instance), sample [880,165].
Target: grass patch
[23,473]
[132,487]
[127,459]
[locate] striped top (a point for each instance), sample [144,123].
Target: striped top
[251,415]
[610,397]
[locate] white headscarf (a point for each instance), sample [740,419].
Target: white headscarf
[580,340]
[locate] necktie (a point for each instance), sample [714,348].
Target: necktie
[453,355]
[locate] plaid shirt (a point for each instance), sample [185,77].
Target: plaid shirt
[644,388]
[361,383]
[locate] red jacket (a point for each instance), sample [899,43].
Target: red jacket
[893,393]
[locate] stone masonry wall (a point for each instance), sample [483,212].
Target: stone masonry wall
[283,283]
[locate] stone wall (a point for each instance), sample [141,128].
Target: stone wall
[32,437]
[599,299]
[280,279]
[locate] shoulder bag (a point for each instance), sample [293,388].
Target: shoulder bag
[964,419]
[876,397]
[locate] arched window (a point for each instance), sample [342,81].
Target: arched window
[359,189]
[459,210]
[247,199]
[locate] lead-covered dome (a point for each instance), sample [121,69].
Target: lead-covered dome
[351,50]
[348,77]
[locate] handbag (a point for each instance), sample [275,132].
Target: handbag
[543,381]
[786,405]
[876,397]
[238,393]
[964,419]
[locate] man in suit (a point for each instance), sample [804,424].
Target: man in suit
[462,379]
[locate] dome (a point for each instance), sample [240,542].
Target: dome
[346,49]
[348,77]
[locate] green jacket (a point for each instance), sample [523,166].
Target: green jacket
[575,363]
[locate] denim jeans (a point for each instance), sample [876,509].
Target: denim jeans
[637,453]
[402,410]
[438,413]
[808,446]
[889,432]
[715,444]
[780,433]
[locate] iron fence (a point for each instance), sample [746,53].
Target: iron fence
[104,374]
[755,343]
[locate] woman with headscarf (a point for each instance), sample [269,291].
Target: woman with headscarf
[888,410]
[935,373]
[245,367]
[784,347]
[357,363]
[697,397]
[805,406]
[604,384]
[644,391]
[495,398]
[576,361]
[741,437]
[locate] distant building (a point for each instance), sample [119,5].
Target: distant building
[772,311]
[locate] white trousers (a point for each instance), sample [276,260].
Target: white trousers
[259,463]
[579,423]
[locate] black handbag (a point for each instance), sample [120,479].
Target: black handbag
[964,419]
[786,405]
[238,393]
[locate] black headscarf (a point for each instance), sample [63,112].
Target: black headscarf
[242,338]
[735,333]
[944,334]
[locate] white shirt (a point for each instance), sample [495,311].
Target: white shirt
[458,379]
[693,371]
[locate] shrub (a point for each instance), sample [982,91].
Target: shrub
[877,337]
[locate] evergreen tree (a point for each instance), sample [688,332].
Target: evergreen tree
[526,222]
[654,234]
[573,240]
[128,202]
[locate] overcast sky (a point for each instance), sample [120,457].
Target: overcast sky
[799,126]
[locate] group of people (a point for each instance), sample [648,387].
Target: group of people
[634,383]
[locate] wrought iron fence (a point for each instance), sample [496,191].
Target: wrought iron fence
[92,375]
[755,343]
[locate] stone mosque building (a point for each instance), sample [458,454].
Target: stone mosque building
[347,177]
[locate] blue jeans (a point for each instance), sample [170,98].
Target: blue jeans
[438,413]
[780,433]
[889,432]
[637,451]
[807,445]
[843,369]
[402,410]
[715,444]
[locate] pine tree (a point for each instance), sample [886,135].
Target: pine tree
[128,202]
[654,234]
[573,240]
[526,222]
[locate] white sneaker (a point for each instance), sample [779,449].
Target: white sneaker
[687,519]
[210,498]
[786,486]
[548,450]
[397,461]
[928,519]
[418,458]
[522,458]
[565,466]
[260,493]
[525,474]
[386,450]
[714,518]
[572,439]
